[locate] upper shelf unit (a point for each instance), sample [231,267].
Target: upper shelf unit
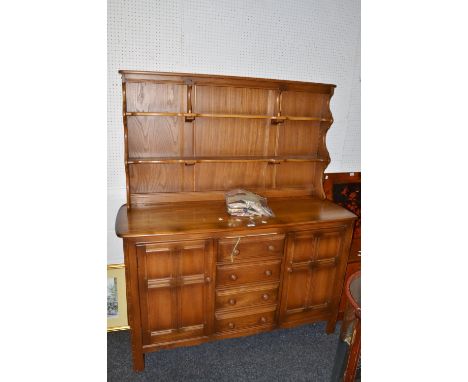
[200,134]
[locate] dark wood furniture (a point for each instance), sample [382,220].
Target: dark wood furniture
[193,272]
[344,188]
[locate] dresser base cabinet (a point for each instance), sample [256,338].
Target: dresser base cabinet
[213,281]
[194,273]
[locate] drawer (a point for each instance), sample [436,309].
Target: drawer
[250,247]
[238,322]
[248,273]
[243,297]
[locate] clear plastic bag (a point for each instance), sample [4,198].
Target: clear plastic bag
[240,202]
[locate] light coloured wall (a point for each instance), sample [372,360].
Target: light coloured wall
[316,40]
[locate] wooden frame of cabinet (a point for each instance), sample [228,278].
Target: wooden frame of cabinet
[194,273]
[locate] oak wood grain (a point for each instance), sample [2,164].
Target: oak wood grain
[155,137]
[210,79]
[233,100]
[246,296]
[226,176]
[147,178]
[232,137]
[204,216]
[299,138]
[194,273]
[302,104]
[147,96]
[172,117]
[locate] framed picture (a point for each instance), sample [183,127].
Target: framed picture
[116,298]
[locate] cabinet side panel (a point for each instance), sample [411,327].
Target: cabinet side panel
[133,303]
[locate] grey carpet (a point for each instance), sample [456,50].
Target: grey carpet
[305,353]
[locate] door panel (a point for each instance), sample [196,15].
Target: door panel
[175,290]
[191,305]
[329,244]
[160,307]
[295,289]
[312,260]
[321,286]
[303,247]
[158,262]
[192,259]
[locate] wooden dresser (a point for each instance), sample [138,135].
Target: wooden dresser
[194,273]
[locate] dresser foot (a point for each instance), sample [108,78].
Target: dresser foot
[138,361]
[331,325]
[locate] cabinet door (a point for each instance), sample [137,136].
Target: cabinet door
[313,274]
[175,290]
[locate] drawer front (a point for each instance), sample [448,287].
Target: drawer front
[251,273]
[244,297]
[266,318]
[250,247]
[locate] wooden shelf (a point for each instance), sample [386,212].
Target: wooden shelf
[242,116]
[232,159]
[193,138]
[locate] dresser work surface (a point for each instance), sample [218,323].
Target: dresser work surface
[192,217]
[193,273]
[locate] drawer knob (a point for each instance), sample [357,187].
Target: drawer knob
[232,325]
[232,301]
[289,269]
[271,247]
[263,320]
[268,272]
[235,252]
[265,296]
[233,277]
[208,279]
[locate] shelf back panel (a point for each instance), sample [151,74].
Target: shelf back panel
[155,136]
[234,100]
[299,138]
[149,97]
[230,121]
[226,176]
[148,178]
[302,104]
[233,137]
[295,175]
